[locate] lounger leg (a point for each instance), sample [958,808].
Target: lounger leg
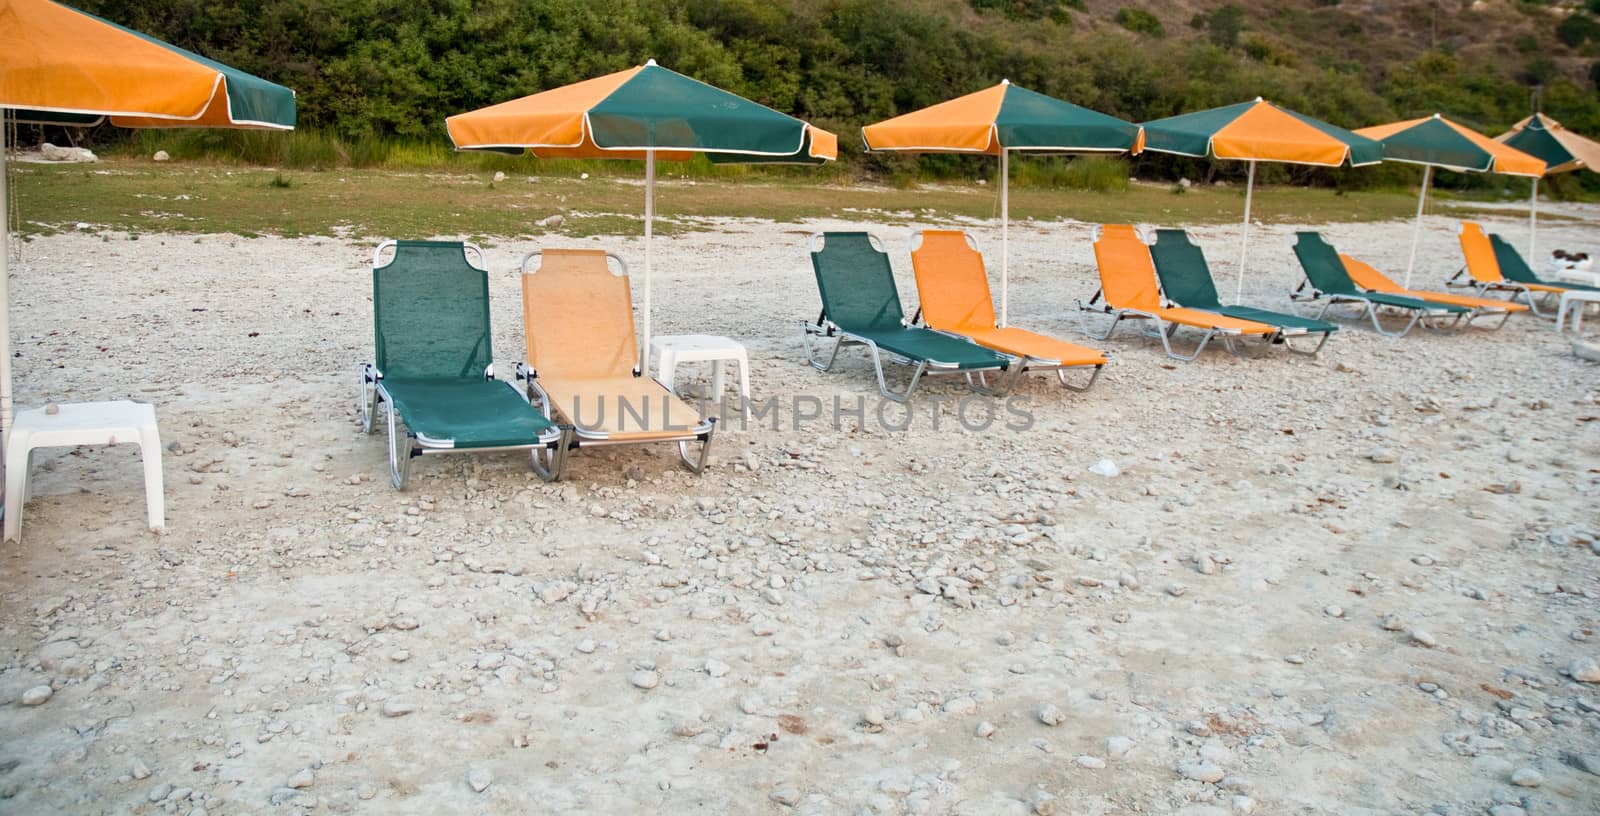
[1477,313]
[1312,352]
[401,449]
[1165,332]
[696,465]
[1433,324]
[1372,312]
[883,386]
[811,355]
[1115,319]
[368,397]
[551,462]
[1007,382]
[1061,375]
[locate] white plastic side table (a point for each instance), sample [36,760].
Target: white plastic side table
[693,348]
[1575,301]
[82,423]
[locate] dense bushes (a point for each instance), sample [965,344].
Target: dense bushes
[372,74]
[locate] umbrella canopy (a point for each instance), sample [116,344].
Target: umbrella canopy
[1435,141]
[1562,151]
[646,112]
[58,64]
[62,65]
[999,121]
[1258,131]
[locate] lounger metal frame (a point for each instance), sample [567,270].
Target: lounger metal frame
[1164,329]
[823,327]
[579,437]
[1426,317]
[1515,288]
[547,457]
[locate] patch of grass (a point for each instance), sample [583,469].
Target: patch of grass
[140,196]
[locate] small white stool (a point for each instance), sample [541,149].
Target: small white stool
[1574,300]
[82,423]
[692,348]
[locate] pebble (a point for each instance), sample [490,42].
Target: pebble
[716,668]
[788,797]
[1105,467]
[1118,746]
[399,655]
[1333,611]
[140,770]
[586,646]
[960,705]
[1584,670]
[984,730]
[301,779]
[1176,590]
[1200,771]
[1092,763]
[38,695]
[872,716]
[159,792]
[397,708]
[1382,456]
[644,679]
[1587,762]
[1051,715]
[480,779]
[1422,637]
[1527,778]
[1507,810]
[1391,622]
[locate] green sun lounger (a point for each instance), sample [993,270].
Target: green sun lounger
[433,372]
[1330,283]
[861,305]
[1186,280]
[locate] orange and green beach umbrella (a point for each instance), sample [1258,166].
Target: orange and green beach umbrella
[59,65]
[1562,151]
[1434,141]
[1258,131]
[999,121]
[646,112]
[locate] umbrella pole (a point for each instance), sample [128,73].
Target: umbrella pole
[649,258]
[1005,233]
[1416,229]
[1244,238]
[1533,219]
[5,308]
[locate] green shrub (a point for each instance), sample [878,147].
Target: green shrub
[1577,29]
[1140,21]
[1225,25]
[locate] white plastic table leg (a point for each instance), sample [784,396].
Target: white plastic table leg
[667,369]
[717,383]
[154,495]
[18,449]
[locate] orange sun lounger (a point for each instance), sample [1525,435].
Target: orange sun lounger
[1129,291]
[1369,278]
[1489,272]
[582,357]
[954,292]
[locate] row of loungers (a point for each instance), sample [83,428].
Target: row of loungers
[581,386]
[1166,282]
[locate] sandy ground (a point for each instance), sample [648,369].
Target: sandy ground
[1355,584]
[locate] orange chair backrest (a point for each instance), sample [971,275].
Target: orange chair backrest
[1127,275]
[1481,263]
[578,316]
[951,282]
[1366,277]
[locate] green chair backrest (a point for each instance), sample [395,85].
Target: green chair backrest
[1512,266]
[856,283]
[1185,277]
[430,310]
[1322,265]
